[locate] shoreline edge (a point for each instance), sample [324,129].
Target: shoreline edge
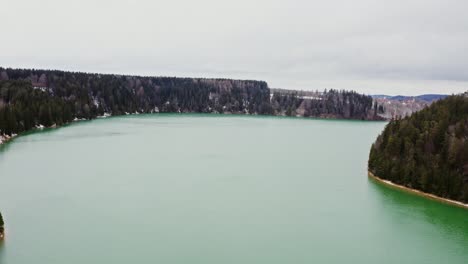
[417,192]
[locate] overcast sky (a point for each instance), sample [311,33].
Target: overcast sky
[372,46]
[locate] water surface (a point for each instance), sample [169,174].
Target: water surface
[214,189]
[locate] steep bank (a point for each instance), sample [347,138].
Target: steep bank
[427,151]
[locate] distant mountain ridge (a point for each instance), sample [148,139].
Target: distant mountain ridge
[424,97]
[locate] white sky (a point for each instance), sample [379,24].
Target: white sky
[372,46]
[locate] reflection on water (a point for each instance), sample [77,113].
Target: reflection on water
[450,220]
[4,147]
[2,250]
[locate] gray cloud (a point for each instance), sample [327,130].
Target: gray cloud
[410,47]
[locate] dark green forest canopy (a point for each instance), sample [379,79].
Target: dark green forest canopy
[427,151]
[2,228]
[29,98]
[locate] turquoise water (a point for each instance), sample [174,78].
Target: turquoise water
[214,189]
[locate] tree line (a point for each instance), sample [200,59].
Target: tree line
[328,104]
[30,97]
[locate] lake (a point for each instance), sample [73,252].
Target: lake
[181,188]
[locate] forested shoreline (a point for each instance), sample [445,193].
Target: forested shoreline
[427,151]
[32,98]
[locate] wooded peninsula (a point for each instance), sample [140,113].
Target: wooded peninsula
[427,151]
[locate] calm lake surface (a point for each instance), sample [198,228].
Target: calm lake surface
[214,189]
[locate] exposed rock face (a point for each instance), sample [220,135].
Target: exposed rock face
[401,106]
[394,108]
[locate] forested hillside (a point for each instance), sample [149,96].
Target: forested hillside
[327,104]
[30,98]
[427,151]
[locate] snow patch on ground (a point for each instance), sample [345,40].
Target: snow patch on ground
[105,115]
[5,138]
[95,102]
